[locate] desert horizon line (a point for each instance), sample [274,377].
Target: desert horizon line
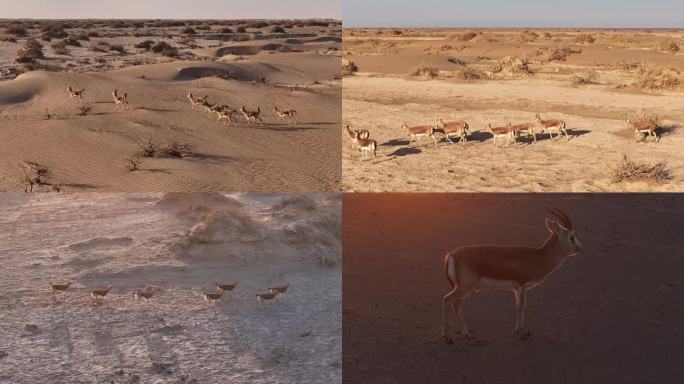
[505,27]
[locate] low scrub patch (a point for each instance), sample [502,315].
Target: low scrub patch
[628,170]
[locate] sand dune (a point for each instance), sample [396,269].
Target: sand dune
[133,241]
[92,152]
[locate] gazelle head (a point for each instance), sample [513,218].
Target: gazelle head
[439,123]
[564,231]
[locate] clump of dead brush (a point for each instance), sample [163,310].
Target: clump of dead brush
[37,175]
[628,170]
[659,79]
[584,38]
[668,46]
[584,78]
[426,71]
[84,109]
[31,51]
[135,163]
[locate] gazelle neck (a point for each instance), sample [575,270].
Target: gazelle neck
[553,251]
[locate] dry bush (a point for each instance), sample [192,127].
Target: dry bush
[547,35]
[52,31]
[82,37]
[584,78]
[9,39]
[165,49]
[16,30]
[72,41]
[93,34]
[241,29]
[226,30]
[30,52]
[99,46]
[176,149]
[348,67]
[584,38]
[258,25]
[188,31]
[117,48]
[36,174]
[84,109]
[424,70]
[147,44]
[465,36]
[512,66]
[149,149]
[668,47]
[277,29]
[60,48]
[528,36]
[629,64]
[547,55]
[658,79]
[135,163]
[628,170]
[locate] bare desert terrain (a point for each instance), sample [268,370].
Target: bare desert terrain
[177,246]
[611,314]
[591,79]
[159,141]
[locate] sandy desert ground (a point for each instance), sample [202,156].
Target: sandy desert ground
[592,79]
[179,245]
[609,315]
[288,64]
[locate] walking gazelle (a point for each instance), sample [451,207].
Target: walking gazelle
[119,100]
[75,93]
[289,113]
[514,268]
[252,116]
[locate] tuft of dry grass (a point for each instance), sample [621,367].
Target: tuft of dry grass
[176,149]
[659,79]
[84,109]
[584,38]
[628,170]
[668,46]
[584,78]
[165,49]
[424,70]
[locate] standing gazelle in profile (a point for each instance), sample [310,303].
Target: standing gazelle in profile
[643,129]
[196,101]
[363,134]
[252,116]
[515,268]
[415,133]
[550,126]
[120,101]
[454,128]
[289,113]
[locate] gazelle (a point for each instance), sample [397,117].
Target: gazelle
[528,128]
[140,294]
[514,268]
[120,101]
[367,146]
[226,287]
[502,132]
[280,289]
[550,126]
[99,294]
[196,101]
[454,128]
[266,297]
[363,134]
[210,298]
[59,288]
[225,112]
[74,93]
[252,116]
[418,132]
[645,128]
[289,113]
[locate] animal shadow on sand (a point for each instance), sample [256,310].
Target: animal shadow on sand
[406,151]
[395,143]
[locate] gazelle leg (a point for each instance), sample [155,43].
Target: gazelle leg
[433,139]
[446,334]
[520,295]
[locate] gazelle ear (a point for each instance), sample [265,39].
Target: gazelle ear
[554,227]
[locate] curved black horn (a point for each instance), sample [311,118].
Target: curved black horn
[565,220]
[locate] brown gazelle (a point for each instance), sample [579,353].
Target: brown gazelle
[289,113]
[140,294]
[252,116]
[59,288]
[363,134]
[266,297]
[226,287]
[75,93]
[454,128]
[280,289]
[224,112]
[119,100]
[99,294]
[210,298]
[367,146]
[515,268]
[415,133]
[196,101]
[502,132]
[528,128]
[550,126]
[643,129]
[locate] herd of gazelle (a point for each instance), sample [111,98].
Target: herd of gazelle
[510,133]
[515,268]
[224,112]
[210,298]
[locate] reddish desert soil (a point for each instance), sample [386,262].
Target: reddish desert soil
[610,315]
[382,95]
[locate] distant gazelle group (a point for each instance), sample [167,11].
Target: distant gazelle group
[226,113]
[210,298]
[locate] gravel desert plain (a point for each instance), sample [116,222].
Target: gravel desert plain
[176,246]
[156,139]
[593,80]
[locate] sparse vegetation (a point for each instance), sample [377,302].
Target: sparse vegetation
[16,30]
[348,67]
[84,109]
[547,55]
[99,46]
[465,36]
[424,70]
[146,44]
[176,149]
[134,163]
[628,170]
[659,79]
[60,48]
[277,29]
[117,48]
[149,149]
[36,175]
[584,38]
[165,49]
[669,46]
[584,78]
[30,52]
[512,66]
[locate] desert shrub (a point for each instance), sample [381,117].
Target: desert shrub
[16,30]
[226,30]
[176,149]
[528,36]
[659,78]
[464,72]
[584,38]
[165,49]
[547,55]
[277,29]
[71,41]
[9,39]
[628,170]
[117,48]
[99,46]
[82,37]
[186,40]
[134,164]
[93,34]
[465,36]
[424,70]
[547,35]
[60,48]
[35,174]
[584,78]
[84,109]
[258,25]
[241,29]
[188,31]
[629,64]
[146,44]
[31,51]
[53,31]
[203,27]
[512,66]
[668,47]
[149,149]
[348,67]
